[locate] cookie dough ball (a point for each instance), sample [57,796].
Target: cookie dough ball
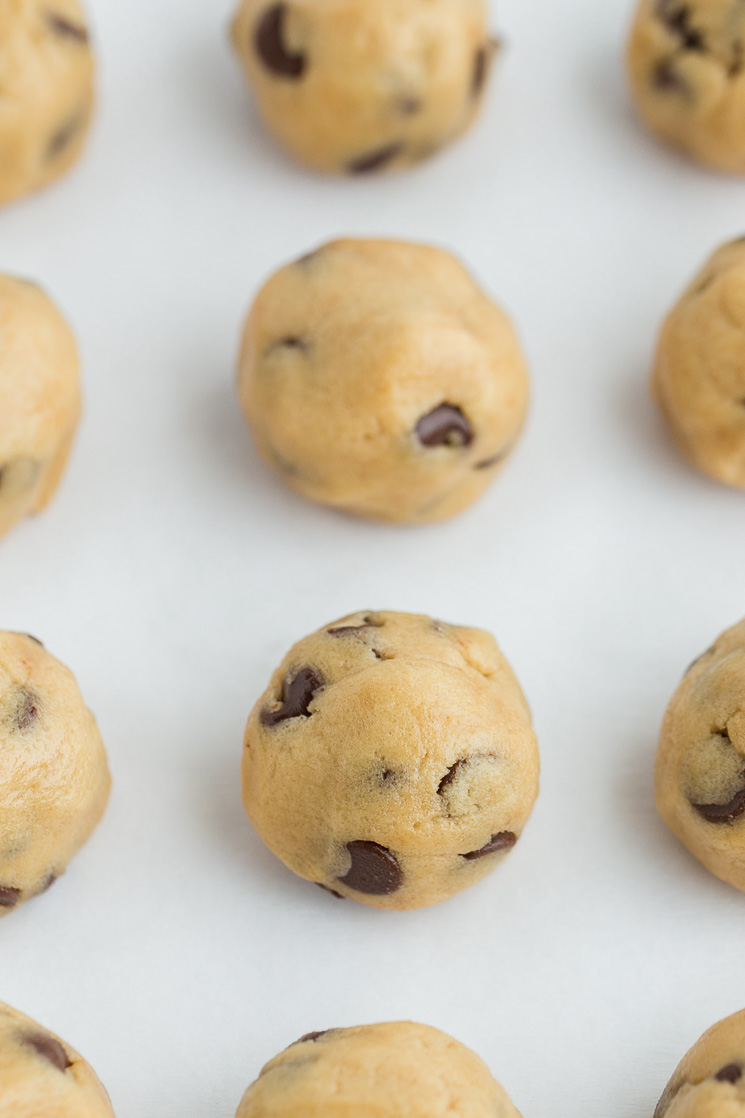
[39,399]
[379,379]
[391,760]
[699,374]
[354,87]
[46,77]
[54,779]
[392,1069]
[42,1077]
[710,1081]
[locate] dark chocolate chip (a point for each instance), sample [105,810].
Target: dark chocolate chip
[489,462]
[270,46]
[503,841]
[387,776]
[298,692]
[27,709]
[665,77]
[326,889]
[64,136]
[294,343]
[66,29]
[732,1073]
[375,160]
[450,776]
[677,17]
[47,883]
[311,1036]
[446,425]
[374,870]
[50,1049]
[9,897]
[722,813]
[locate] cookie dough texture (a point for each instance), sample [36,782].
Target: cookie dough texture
[700,771]
[710,1081]
[355,87]
[46,92]
[42,1077]
[379,379]
[400,1070]
[39,399]
[699,373]
[54,778]
[391,760]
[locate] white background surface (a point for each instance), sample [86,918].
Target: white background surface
[173,571]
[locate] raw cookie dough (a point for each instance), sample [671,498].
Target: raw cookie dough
[42,1077]
[46,92]
[686,61]
[355,87]
[54,779]
[392,759]
[710,1081]
[700,771]
[399,1069]
[39,398]
[699,374]
[378,378]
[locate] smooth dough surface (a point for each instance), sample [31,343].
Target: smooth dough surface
[379,379]
[397,1070]
[354,87]
[54,778]
[46,92]
[39,399]
[43,1077]
[710,1080]
[700,770]
[392,759]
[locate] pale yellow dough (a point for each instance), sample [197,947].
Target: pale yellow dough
[54,777]
[397,1070]
[350,355]
[392,759]
[46,92]
[350,86]
[710,1080]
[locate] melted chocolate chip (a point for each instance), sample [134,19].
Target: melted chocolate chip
[732,1073]
[312,1036]
[722,813]
[27,709]
[9,897]
[446,425]
[326,889]
[64,136]
[665,77]
[678,20]
[66,29]
[49,1048]
[450,776]
[298,692]
[503,841]
[269,41]
[374,870]
[375,160]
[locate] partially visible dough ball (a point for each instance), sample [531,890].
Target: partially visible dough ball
[392,759]
[42,1077]
[700,770]
[39,398]
[373,1071]
[380,379]
[54,777]
[354,86]
[710,1080]
[46,92]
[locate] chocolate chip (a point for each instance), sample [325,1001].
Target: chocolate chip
[374,870]
[66,29]
[480,71]
[270,46]
[503,841]
[311,1036]
[49,1048]
[47,883]
[298,692]
[489,462]
[678,19]
[27,709]
[375,160]
[387,776]
[732,1073]
[450,776]
[9,897]
[665,77]
[722,813]
[409,106]
[446,425]
[33,638]
[64,136]
[326,889]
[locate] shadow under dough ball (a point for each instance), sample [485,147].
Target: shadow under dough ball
[391,760]
[700,770]
[356,87]
[39,399]
[46,79]
[54,778]
[686,63]
[42,1077]
[379,379]
[710,1080]
[699,373]
[394,1069]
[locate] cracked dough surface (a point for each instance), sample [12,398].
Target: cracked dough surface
[392,759]
[378,378]
[377,1071]
[354,87]
[709,1082]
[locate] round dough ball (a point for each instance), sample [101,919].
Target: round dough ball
[710,1080]
[54,779]
[42,1077]
[700,771]
[373,1070]
[355,87]
[379,379]
[46,76]
[391,760]
[39,399]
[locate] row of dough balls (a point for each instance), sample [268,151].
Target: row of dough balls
[391,760]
